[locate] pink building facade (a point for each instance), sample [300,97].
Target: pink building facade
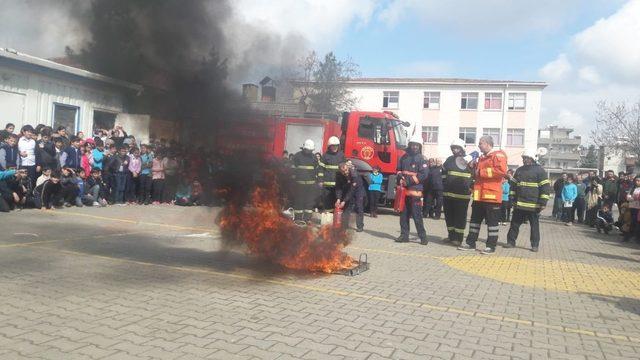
[444,109]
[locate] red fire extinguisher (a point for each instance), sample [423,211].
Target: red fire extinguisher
[398,202]
[337,215]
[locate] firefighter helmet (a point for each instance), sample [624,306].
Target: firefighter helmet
[334,141]
[530,153]
[309,145]
[458,142]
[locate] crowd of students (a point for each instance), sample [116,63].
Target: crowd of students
[45,168]
[589,199]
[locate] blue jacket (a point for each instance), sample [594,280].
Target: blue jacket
[5,174]
[74,157]
[569,192]
[375,182]
[505,191]
[98,156]
[147,162]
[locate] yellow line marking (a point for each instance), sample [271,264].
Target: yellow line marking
[341,293]
[71,239]
[137,222]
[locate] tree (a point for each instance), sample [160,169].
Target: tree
[618,127]
[323,83]
[591,159]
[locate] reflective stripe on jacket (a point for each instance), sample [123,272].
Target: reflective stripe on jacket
[532,188]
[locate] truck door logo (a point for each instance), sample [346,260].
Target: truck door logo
[367,153]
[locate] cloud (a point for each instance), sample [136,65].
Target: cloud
[589,74]
[557,69]
[611,44]
[503,17]
[321,23]
[607,62]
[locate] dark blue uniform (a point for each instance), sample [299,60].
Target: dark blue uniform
[350,189]
[413,168]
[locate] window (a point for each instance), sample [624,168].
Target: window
[430,134]
[371,128]
[517,101]
[65,115]
[469,101]
[492,101]
[468,135]
[390,99]
[494,133]
[515,137]
[103,120]
[431,100]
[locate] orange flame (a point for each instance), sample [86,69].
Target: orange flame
[268,234]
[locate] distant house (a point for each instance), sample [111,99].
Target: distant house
[39,91]
[563,149]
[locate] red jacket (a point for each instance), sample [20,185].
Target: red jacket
[490,171]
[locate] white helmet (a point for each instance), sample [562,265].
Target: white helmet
[530,153]
[309,145]
[458,142]
[334,141]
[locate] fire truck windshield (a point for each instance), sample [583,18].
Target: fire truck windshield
[400,133]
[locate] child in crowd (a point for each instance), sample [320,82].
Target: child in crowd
[27,151]
[97,155]
[49,193]
[375,189]
[46,175]
[604,220]
[93,190]
[145,175]
[135,166]
[171,176]
[46,150]
[84,159]
[108,173]
[569,194]
[9,153]
[80,176]
[157,170]
[69,184]
[183,192]
[504,208]
[121,166]
[634,209]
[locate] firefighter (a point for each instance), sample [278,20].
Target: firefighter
[327,171]
[350,195]
[489,170]
[532,188]
[305,169]
[457,179]
[412,172]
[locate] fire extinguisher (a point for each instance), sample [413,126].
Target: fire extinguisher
[337,215]
[398,202]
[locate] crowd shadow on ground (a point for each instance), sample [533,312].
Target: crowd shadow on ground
[625,304]
[168,249]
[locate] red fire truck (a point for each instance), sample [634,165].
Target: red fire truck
[367,138]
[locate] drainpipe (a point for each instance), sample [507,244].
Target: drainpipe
[504,109]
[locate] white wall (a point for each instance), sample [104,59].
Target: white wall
[449,118]
[28,98]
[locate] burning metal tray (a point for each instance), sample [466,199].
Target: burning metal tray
[361,266]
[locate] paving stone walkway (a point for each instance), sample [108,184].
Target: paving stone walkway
[154,282]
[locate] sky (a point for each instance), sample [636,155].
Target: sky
[586,50]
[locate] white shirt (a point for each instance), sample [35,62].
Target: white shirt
[28,145]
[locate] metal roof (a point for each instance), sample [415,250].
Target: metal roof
[442,81]
[14,55]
